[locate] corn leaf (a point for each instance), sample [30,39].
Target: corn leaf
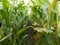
[5,4]
[5,17]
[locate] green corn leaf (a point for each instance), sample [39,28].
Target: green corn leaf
[18,34]
[5,4]
[21,5]
[49,39]
[22,40]
[5,17]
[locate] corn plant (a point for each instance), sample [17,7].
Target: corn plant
[39,27]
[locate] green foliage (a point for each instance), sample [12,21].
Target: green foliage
[5,17]
[14,27]
[5,4]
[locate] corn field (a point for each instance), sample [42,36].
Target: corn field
[36,22]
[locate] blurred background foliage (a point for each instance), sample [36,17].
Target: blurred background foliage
[30,22]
